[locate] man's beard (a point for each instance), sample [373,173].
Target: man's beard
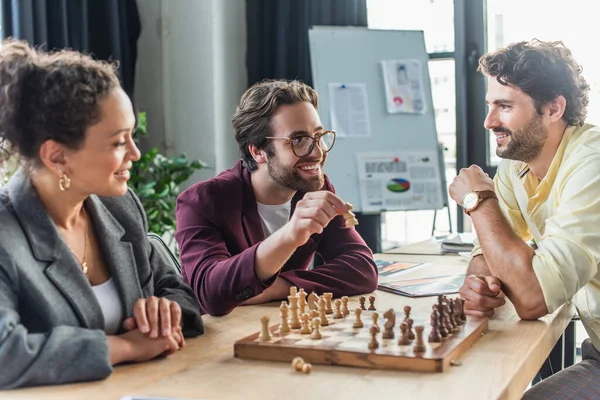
[290,177]
[524,144]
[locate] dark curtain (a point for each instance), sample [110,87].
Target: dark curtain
[277,34]
[108,29]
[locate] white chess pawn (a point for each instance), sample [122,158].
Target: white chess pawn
[305,324]
[316,333]
[358,323]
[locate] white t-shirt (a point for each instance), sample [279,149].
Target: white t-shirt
[274,217]
[110,302]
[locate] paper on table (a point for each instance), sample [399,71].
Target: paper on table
[349,109]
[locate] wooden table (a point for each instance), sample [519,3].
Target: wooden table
[500,364]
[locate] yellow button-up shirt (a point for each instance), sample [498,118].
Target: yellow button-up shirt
[562,214]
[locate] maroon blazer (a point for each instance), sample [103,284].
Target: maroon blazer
[219,229]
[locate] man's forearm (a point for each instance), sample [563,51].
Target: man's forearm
[509,259]
[271,255]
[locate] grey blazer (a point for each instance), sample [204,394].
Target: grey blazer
[51,325]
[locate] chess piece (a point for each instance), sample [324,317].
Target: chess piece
[316,332]
[302,303]
[305,324]
[409,332]
[406,313]
[338,309]
[372,303]
[313,314]
[373,343]
[293,290]
[403,340]
[322,313]
[388,331]
[450,317]
[463,316]
[306,368]
[284,327]
[349,216]
[297,364]
[345,309]
[457,311]
[419,346]
[362,300]
[328,296]
[374,318]
[265,334]
[312,301]
[441,326]
[358,323]
[447,324]
[294,317]
[434,335]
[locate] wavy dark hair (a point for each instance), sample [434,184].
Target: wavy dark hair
[544,71]
[49,96]
[257,106]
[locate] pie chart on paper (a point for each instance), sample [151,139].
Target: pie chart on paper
[398,185]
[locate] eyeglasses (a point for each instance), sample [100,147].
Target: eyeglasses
[304,145]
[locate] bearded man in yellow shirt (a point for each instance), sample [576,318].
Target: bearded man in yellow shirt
[547,189]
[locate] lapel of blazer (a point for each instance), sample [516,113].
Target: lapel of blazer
[118,253]
[250,218]
[47,245]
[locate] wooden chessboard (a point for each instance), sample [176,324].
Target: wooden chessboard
[344,345]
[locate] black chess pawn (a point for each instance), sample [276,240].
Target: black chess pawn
[372,303]
[403,340]
[463,316]
[409,331]
[434,336]
[362,300]
[455,306]
[406,313]
[450,317]
[441,322]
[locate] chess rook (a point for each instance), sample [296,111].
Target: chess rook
[419,346]
[265,334]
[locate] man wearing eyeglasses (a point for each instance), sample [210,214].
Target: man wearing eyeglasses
[250,233]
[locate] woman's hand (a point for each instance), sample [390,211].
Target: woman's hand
[136,346]
[156,317]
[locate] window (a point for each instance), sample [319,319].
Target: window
[515,20]
[436,19]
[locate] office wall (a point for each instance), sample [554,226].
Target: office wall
[190,74]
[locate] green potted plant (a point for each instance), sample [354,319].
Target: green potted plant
[156,179]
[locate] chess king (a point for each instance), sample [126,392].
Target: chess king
[250,233]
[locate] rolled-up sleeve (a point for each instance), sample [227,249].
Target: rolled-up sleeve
[568,254]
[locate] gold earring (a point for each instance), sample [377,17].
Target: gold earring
[64,182]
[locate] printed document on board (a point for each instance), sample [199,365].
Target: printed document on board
[403,85]
[349,109]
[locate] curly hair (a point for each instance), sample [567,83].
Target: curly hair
[49,96]
[257,105]
[543,71]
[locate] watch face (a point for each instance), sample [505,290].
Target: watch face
[470,200]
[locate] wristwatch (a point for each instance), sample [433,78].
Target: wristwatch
[473,198]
